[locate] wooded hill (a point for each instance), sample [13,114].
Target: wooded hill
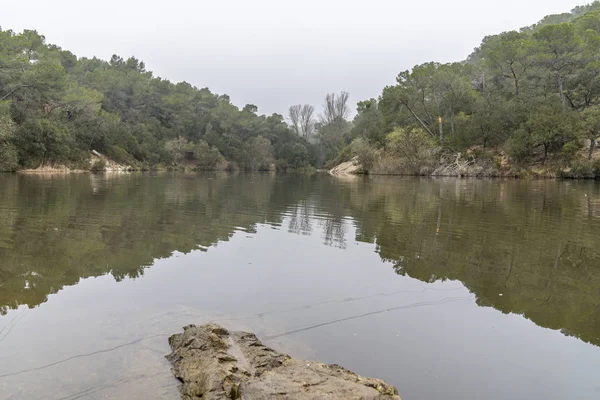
[532,96]
[56,108]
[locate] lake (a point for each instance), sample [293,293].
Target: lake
[446,288]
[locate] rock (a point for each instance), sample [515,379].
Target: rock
[213,363]
[346,168]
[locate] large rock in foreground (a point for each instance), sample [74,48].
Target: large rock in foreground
[213,363]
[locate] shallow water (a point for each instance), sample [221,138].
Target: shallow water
[454,289]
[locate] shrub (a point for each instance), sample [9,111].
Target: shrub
[207,158]
[367,156]
[9,158]
[99,165]
[412,144]
[518,146]
[569,151]
[408,151]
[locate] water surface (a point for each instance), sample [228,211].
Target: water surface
[454,289]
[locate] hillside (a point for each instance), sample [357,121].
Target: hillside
[56,108]
[525,100]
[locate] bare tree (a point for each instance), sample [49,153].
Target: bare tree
[341,105]
[333,124]
[307,122]
[335,108]
[294,114]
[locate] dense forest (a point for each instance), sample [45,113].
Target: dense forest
[55,108]
[528,98]
[524,101]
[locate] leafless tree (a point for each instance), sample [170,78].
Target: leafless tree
[302,119]
[294,114]
[335,108]
[307,122]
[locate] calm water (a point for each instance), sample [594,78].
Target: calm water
[453,289]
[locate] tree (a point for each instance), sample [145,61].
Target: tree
[510,55]
[42,142]
[307,122]
[369,123]
[454,89]
[335,108]
[9,158]
[294,114]
[207,158]
[333,125]
[549,127]
[559,49]
[302,120]
[261,154]
[590,127]
[176,149]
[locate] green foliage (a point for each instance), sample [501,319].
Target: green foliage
[569,151]
[412,144]
[261,154]
[207,158]
[42,142]
[368,123]
[533,93]
[367,155]
[407,151]
[9,158]
[63,107]
[519,146]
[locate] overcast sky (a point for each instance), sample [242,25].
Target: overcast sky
[274,53]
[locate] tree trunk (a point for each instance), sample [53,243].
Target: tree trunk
[592,145]
[419,119]
[545,154]
[561,92]
[14,90]
[441,122]
[483,83]
[452,122]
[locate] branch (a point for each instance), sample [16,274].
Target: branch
[419,119]
[14,90]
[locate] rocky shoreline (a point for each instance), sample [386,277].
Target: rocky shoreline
[213,364]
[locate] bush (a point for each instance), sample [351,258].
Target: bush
[207,158]
[518,146]
[408,151]
[569,151]
[260,154]
[346,154]
[412,144]
[119,155]
[42,141]
[367,156]
[9,158]
[99,165]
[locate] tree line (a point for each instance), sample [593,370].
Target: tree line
[55,108]
[532,95]
[521,99]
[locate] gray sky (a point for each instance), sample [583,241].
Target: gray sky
[274,53]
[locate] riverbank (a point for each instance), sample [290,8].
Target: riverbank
[471,164]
